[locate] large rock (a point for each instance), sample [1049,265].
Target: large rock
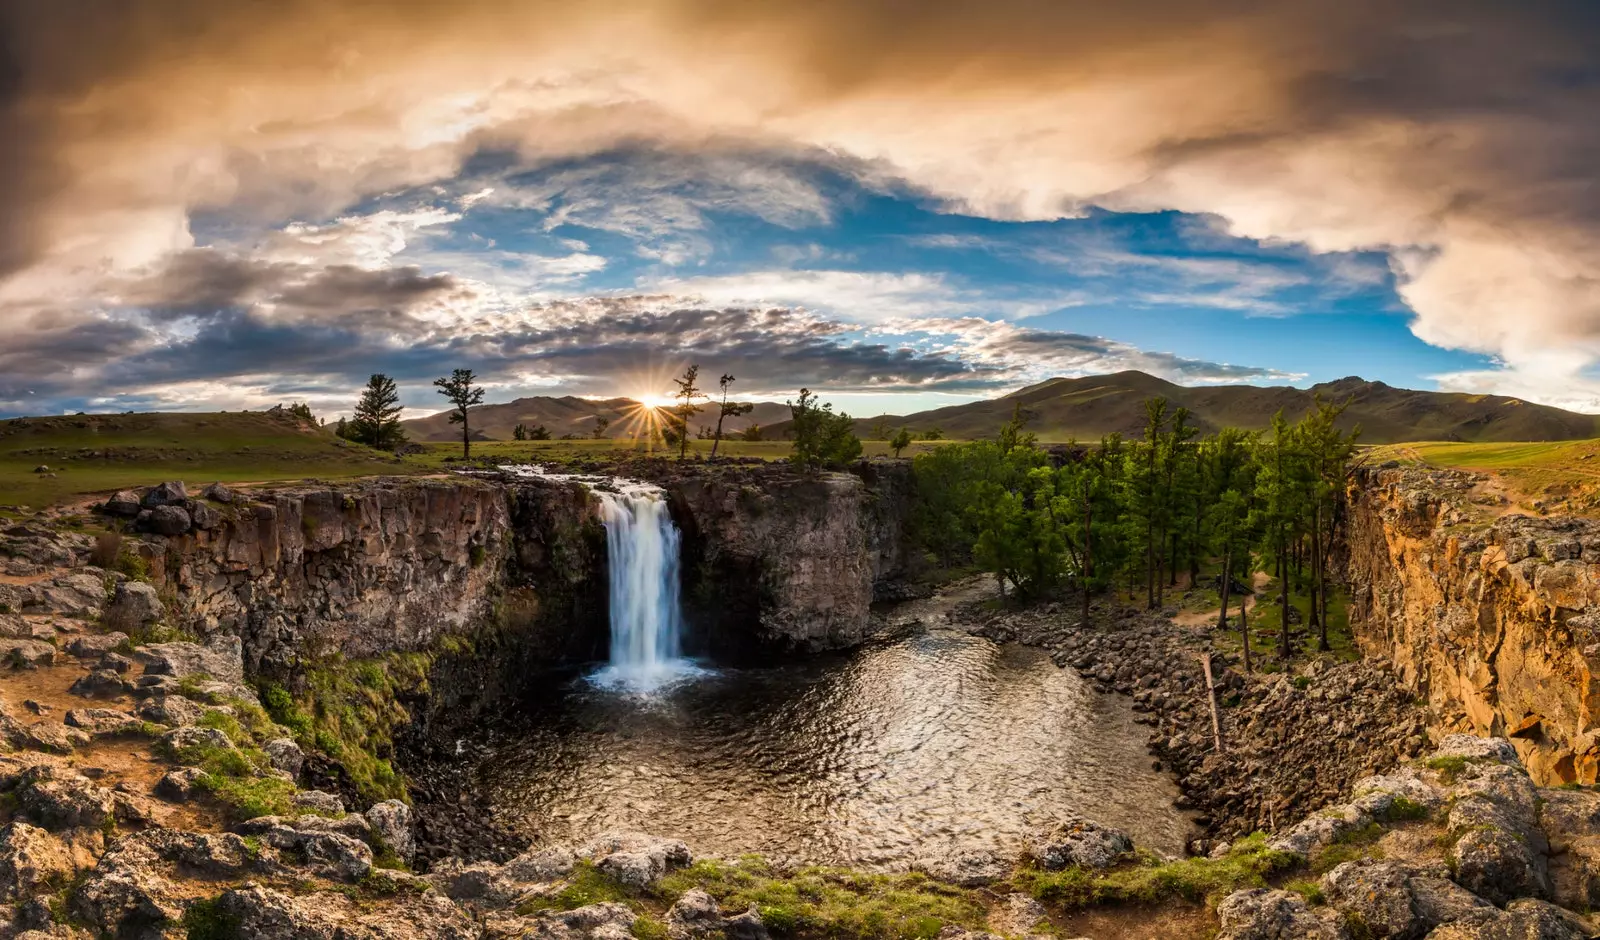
[1397,902]
[1082,843]
[169,520]
[93,646]
[32,861]
[104,722]
[222,658]
[123,503]
[608,921]
[635,859]
[174,710]
[1526,919]
[127,894]
[171,493]
[1262,914]
[134,604]
[26,653]
[391,826]
[80,595]
[1501,851]
[694,915]
[286,756]
[59,799]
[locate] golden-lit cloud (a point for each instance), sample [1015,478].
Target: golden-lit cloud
[1457,135]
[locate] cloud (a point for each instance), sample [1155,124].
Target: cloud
[865,295]
[1456,135]
[1028,355]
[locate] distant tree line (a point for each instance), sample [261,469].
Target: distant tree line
[1133,514]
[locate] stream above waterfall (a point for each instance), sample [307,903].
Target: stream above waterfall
[906,748]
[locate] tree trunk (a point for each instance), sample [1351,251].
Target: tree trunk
[1227,582]
[1088,556]
[1244,628]
[1318,586]
[1283,597]
[466,437]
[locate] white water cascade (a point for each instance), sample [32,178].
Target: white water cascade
[646,616]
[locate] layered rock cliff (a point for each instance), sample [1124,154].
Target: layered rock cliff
[1493,618]
[775,557]
[364,568]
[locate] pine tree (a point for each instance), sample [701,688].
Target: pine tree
[376,421]
[685,409]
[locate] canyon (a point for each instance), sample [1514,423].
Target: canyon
[328,631]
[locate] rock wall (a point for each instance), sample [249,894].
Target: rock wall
[773,557]
[357,570]
[1493,619]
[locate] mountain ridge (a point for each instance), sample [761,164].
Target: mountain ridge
[1090,407]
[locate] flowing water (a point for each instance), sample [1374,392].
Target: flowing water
[900,750]
[646,615]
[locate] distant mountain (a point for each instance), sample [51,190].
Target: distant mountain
[1087,408]
[572,415]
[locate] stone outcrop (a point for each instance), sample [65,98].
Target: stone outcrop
[797,558]
[1494,620]
[358,570]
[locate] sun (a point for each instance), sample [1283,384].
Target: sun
[652,401]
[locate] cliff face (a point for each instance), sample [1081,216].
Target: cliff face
[357,570]
[1494,621]
[364,568]
[773,557]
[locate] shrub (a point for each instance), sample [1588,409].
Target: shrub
[107,549]
[1248,864]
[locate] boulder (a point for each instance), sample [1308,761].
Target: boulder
[1571,821]
[218,493]
[123,503]
[221,658]
[115,662]
[1082,843]
[1263,914]
[126,894]
[95,645]
[317,801]
[174,710]
[169,520]
[171,493]
[285,755]
[204,517]
[181,785]
[79,595]
[189,744]
[103,722]
[1527,919]
[20,653]
[1472,747]
[134,604]
[58,799]
[694,915]
[607,921]
[635,859]
[32,861]
[1501,851]
[52,737]
[391,826]
[102,683]
[268,914]
[1395,901]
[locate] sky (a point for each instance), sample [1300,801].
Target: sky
[230,204]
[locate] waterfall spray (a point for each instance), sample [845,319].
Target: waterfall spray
[646,616]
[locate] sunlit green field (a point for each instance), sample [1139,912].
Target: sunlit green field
[1562,476]
[90,455]
[96,454]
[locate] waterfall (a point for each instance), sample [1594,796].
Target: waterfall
[646,617]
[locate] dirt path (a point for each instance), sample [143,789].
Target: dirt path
[1208,618]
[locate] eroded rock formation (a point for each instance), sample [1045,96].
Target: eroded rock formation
[1493,619]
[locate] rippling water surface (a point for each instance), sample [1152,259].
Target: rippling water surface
[899,750]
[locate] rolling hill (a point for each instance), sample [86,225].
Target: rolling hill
[1087,408]
[572,415]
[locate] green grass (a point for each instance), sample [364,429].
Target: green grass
[1561,476]
[830,902]
[349,712]
[1248,864]
[92,454]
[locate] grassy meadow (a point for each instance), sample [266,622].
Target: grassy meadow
[91,455]
[1558,476]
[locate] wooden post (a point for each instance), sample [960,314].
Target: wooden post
[1211,697]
